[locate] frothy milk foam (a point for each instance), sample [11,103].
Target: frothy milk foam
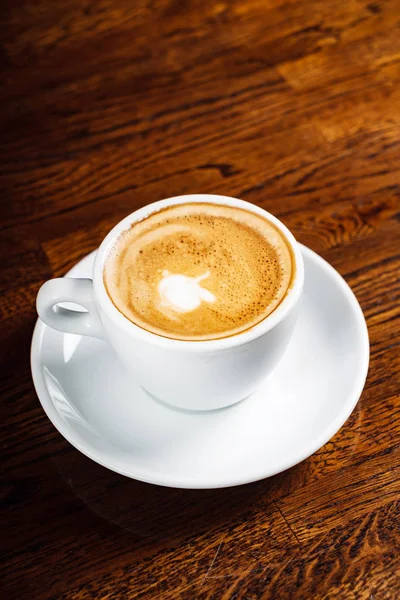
[199,271]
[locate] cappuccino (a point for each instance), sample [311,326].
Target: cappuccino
[199,271]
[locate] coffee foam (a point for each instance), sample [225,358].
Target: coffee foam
[199,271]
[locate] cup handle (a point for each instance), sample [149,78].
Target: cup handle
[70,289]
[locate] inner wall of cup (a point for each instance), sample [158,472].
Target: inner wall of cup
[146,211]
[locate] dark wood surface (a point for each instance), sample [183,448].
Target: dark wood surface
[108,105]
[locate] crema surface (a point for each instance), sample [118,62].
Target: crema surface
[199,271]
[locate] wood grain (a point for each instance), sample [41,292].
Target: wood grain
[109,105]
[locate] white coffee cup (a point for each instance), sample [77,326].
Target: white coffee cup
[197,375]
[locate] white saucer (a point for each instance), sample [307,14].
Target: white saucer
[100,409]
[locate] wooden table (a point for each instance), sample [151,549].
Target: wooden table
[108,105]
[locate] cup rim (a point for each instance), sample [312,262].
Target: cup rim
[238,339]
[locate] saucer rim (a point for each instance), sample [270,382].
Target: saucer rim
[155,478]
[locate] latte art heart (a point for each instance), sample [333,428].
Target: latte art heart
[182,293]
